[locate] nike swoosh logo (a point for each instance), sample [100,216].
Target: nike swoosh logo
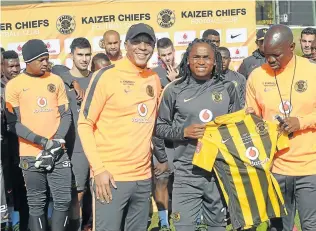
[71,89]
[234,36]
[224,141]
[25,89]
[187,100]
[268,89]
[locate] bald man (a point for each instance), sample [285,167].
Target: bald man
[112,45]
[286,86]
[313,49]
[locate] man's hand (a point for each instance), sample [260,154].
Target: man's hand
[194,131]
[172,73]
[103,187]
[45,160]
[55,147]
[160,168]
[80,92]
[291,124]
[250,110]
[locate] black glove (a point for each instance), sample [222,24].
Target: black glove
[54,146]
[45,160]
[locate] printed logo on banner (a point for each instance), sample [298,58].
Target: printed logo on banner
[166,18]
[53,46]
[162,35]
[183,38]
[237,35]
[66,24]
[238,53]
[97,44]
[67,44]
[153,61]
[219,31]
[17,47]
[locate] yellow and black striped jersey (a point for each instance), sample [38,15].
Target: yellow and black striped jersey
[240,148]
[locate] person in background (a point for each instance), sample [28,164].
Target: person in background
[99,61]
[232,76]
[257,58]
[112,45]
[213,36]
[81,57]
[308,35]
[313,50]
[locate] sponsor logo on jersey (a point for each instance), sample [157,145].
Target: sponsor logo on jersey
[206,115]
[42,103]
[285,107]
[142,109]
[252,153]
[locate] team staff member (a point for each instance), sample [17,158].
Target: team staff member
[228,75]
[37,111]
[167,72]
[186,105]
[81,56]
[286,86]
[257,58]
[99,61]
[307,37]
[115,127]
[213,36]
[112,45]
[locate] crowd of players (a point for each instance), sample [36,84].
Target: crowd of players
[86,135]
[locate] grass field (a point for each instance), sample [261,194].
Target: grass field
[154,224]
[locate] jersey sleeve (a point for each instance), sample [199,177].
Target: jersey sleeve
[251,101]
[282,142]
[205,154]
[61,94]
[234,103]
[93,103]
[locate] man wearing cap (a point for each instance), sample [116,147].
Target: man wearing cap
[37,111]
[257,58]
[115,126]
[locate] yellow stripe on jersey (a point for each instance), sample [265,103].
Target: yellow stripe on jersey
[240,148]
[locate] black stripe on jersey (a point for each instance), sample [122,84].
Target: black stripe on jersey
[231,147]
[92,89]
[234,206]
[267,144]
[242,128]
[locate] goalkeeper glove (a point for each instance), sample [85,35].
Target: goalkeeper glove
[45,160]
[54,146]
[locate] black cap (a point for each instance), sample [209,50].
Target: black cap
[140,28]
[261,33]
[33,49]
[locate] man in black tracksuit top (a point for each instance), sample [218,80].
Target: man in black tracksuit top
[186,106]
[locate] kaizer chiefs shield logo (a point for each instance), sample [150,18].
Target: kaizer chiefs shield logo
[166,18]
[300,86]
[66,24]
[217,97]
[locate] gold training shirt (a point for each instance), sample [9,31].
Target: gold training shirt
[241,147]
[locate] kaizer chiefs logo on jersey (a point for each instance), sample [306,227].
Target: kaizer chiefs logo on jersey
[262,128]
[300,86]
[66,24]
[166,18]
[150,91]
[51,88]
[217,97]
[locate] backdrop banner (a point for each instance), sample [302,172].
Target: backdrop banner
[59,23]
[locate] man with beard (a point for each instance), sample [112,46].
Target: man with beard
[112,45]
[115,127]
[186,105]
[285,86]
[308,35]
[81,57]
[257,58]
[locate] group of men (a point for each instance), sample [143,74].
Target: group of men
[112,129]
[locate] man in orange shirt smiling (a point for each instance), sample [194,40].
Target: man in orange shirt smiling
[286,86]
[115,126]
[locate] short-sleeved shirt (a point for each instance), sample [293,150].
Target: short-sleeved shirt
[38,99]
